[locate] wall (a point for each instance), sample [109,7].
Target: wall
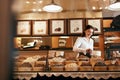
[6,54]
[75,14]
[64,15]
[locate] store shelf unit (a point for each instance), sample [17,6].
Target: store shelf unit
[112,41]
[111,48]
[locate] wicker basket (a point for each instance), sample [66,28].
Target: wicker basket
[114,68]
[24,68]
[40,62]
[100,68]
[38,69]
[57,68]
[16,66]
[39,66]
[85,68]
[71,69]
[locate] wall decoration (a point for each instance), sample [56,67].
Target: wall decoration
[62,42]
[97,23]
[23,28]
[75,26]
[57,27]
[40,28]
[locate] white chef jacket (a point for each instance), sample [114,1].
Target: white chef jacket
[82,44]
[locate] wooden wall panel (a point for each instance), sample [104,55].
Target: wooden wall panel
[55,42]
[69,43]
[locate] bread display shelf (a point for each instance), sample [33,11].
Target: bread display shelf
[88,75]
[62,62]
[57,65]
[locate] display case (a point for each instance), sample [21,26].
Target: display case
[58,60]
[30,64]
[62,61]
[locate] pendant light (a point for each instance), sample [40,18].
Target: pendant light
[114,6]
[52,7]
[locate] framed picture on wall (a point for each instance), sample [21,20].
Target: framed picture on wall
[97,23]
[40,28]
[75,26]
[57,27]
[23,28]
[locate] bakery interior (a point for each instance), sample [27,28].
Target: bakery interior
[46,52]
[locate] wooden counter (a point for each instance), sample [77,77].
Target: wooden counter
[88,75]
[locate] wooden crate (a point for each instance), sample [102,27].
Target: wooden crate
[85,68]
[100,68]
[114,68]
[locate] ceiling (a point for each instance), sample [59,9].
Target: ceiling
[29,6]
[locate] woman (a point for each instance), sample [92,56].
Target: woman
[84,44]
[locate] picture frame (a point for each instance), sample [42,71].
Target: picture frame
[62,42]
[24,28]
[75,26]
[96,23]
[57,27]
[40,28]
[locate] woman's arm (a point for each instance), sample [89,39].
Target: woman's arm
[77,48]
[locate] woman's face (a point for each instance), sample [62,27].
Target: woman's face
[89,32]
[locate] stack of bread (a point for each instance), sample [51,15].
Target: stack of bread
[28,63]
[18,61]
[82,60]
[71,67]
[26,66]
[39,67]
[56,60]
[40,64]
[84,63]
[70,59]
[56,64]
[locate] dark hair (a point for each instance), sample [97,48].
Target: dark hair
[86,28]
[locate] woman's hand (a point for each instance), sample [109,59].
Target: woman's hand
[88,51]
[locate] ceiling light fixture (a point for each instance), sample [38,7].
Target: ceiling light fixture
[52,7]
[93,7]
[115,6]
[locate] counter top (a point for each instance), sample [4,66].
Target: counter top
[96,75]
